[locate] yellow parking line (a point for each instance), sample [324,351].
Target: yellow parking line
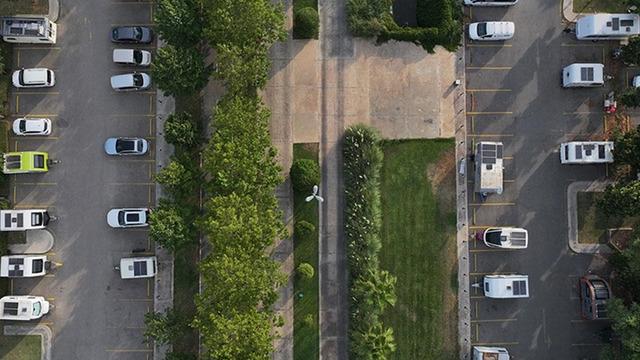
[581,112]
[14,194]
[489,67]
[36,184]
[489,113]
[128,350]
[495,343]
[492,273]
[492,320]
[475,262]
[36,138]
[17,103]
[51,299]
[593,344]
[490,135]
[148,288]
[11,285]
[150,11]
[47,48]
[474,251]
[34,206]
[18,59]
[35,115]
[132,184]
[488,90]
[38,92]
[493,204]
[50,275]
[150,104]
[133,24]
[132,115]
[581,45]
[136,300]
[476,310]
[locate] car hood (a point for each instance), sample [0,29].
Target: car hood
[110,146]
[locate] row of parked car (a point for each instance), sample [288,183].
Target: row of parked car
[28,307]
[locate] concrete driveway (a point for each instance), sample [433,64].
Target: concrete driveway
[97,315]
[514,96]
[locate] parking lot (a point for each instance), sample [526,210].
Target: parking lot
[96,315]
[514,96]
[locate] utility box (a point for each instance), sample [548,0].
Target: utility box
[28,30]
[608,26]
[489,169]
[583,75]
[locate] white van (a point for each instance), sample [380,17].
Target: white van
[131,57]
[490,2]
[506,286]
[23,308]
[583,75]
[23,219]
[19,266]
[586,152]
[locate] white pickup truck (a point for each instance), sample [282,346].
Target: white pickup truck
[23,308]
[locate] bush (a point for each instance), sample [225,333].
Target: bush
[306,23]
[305,270]
[630,97]
[303,229]
[170,226]
[304,174]
[180,130]
[308,320]
[180,177]
[371,289]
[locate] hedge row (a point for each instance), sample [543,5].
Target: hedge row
[438,23]
[371,289]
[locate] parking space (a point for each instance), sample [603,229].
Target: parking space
[514,96]
[79,190]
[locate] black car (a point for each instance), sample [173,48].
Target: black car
[132,34]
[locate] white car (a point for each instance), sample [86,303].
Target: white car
[131,57]
[126,146]
[23,308]
[33,78]
[490,2]
[128,217]
[32,126]
[138,268]
[491,30]
[131,82]
[636,81]
[19,266]
[506,238]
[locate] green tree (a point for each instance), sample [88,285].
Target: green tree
[374,343]
[630,97]
[165,328]
[244,23]
[627,148]
[180,356]
[306,23]
[237,224]
[179,71]
[621,199]
[304,174]
[180,130]
[627,267]
[180,177]
[236,335]
[239,157]
[242,69]
[169,227]
[631,52]
[179,22]
[239,281]
[626,326]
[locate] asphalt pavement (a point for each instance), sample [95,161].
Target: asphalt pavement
[514,96]
[96,315]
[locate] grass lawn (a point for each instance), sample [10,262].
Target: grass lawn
[20,347]
[594,6]
[28,7]
[305,249]
[419,246]
[593,224]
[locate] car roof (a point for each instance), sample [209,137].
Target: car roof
[35,76]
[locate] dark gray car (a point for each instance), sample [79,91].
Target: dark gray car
[132,34]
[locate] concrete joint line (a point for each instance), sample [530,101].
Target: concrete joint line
[572,214]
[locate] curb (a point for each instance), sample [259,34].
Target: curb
[572,214]
[38,330]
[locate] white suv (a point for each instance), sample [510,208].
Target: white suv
[33,78]
[128,217]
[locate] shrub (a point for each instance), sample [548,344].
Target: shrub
[180,177]
[308,320]
[631,52]
[303,229]
[180,130]
[170,227]
[304,174]
[371,289]
[630,97]
[180,356]
[164,328]
[305,270]
[306,23]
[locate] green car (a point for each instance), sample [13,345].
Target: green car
[23,162]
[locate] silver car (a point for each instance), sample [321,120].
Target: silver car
[32,126]
[128,217]
[131,82]
[126,146]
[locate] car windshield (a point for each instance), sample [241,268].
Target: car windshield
[121,218]
[21,77]
[139,146]
[137,56]
[38,161]
[493,237]
[37,308]
[138,32]
[482,29]
[37,266]
[23,125]
[123,145]
[137,79]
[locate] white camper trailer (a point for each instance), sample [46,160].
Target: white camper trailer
[490,353]
[583,75]
[608,26]
[586,152]
[23,219]
[20,266]
[28,30]
[506,286]
[489,170]
[23,308]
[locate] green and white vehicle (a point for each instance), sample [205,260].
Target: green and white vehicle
[24,162]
